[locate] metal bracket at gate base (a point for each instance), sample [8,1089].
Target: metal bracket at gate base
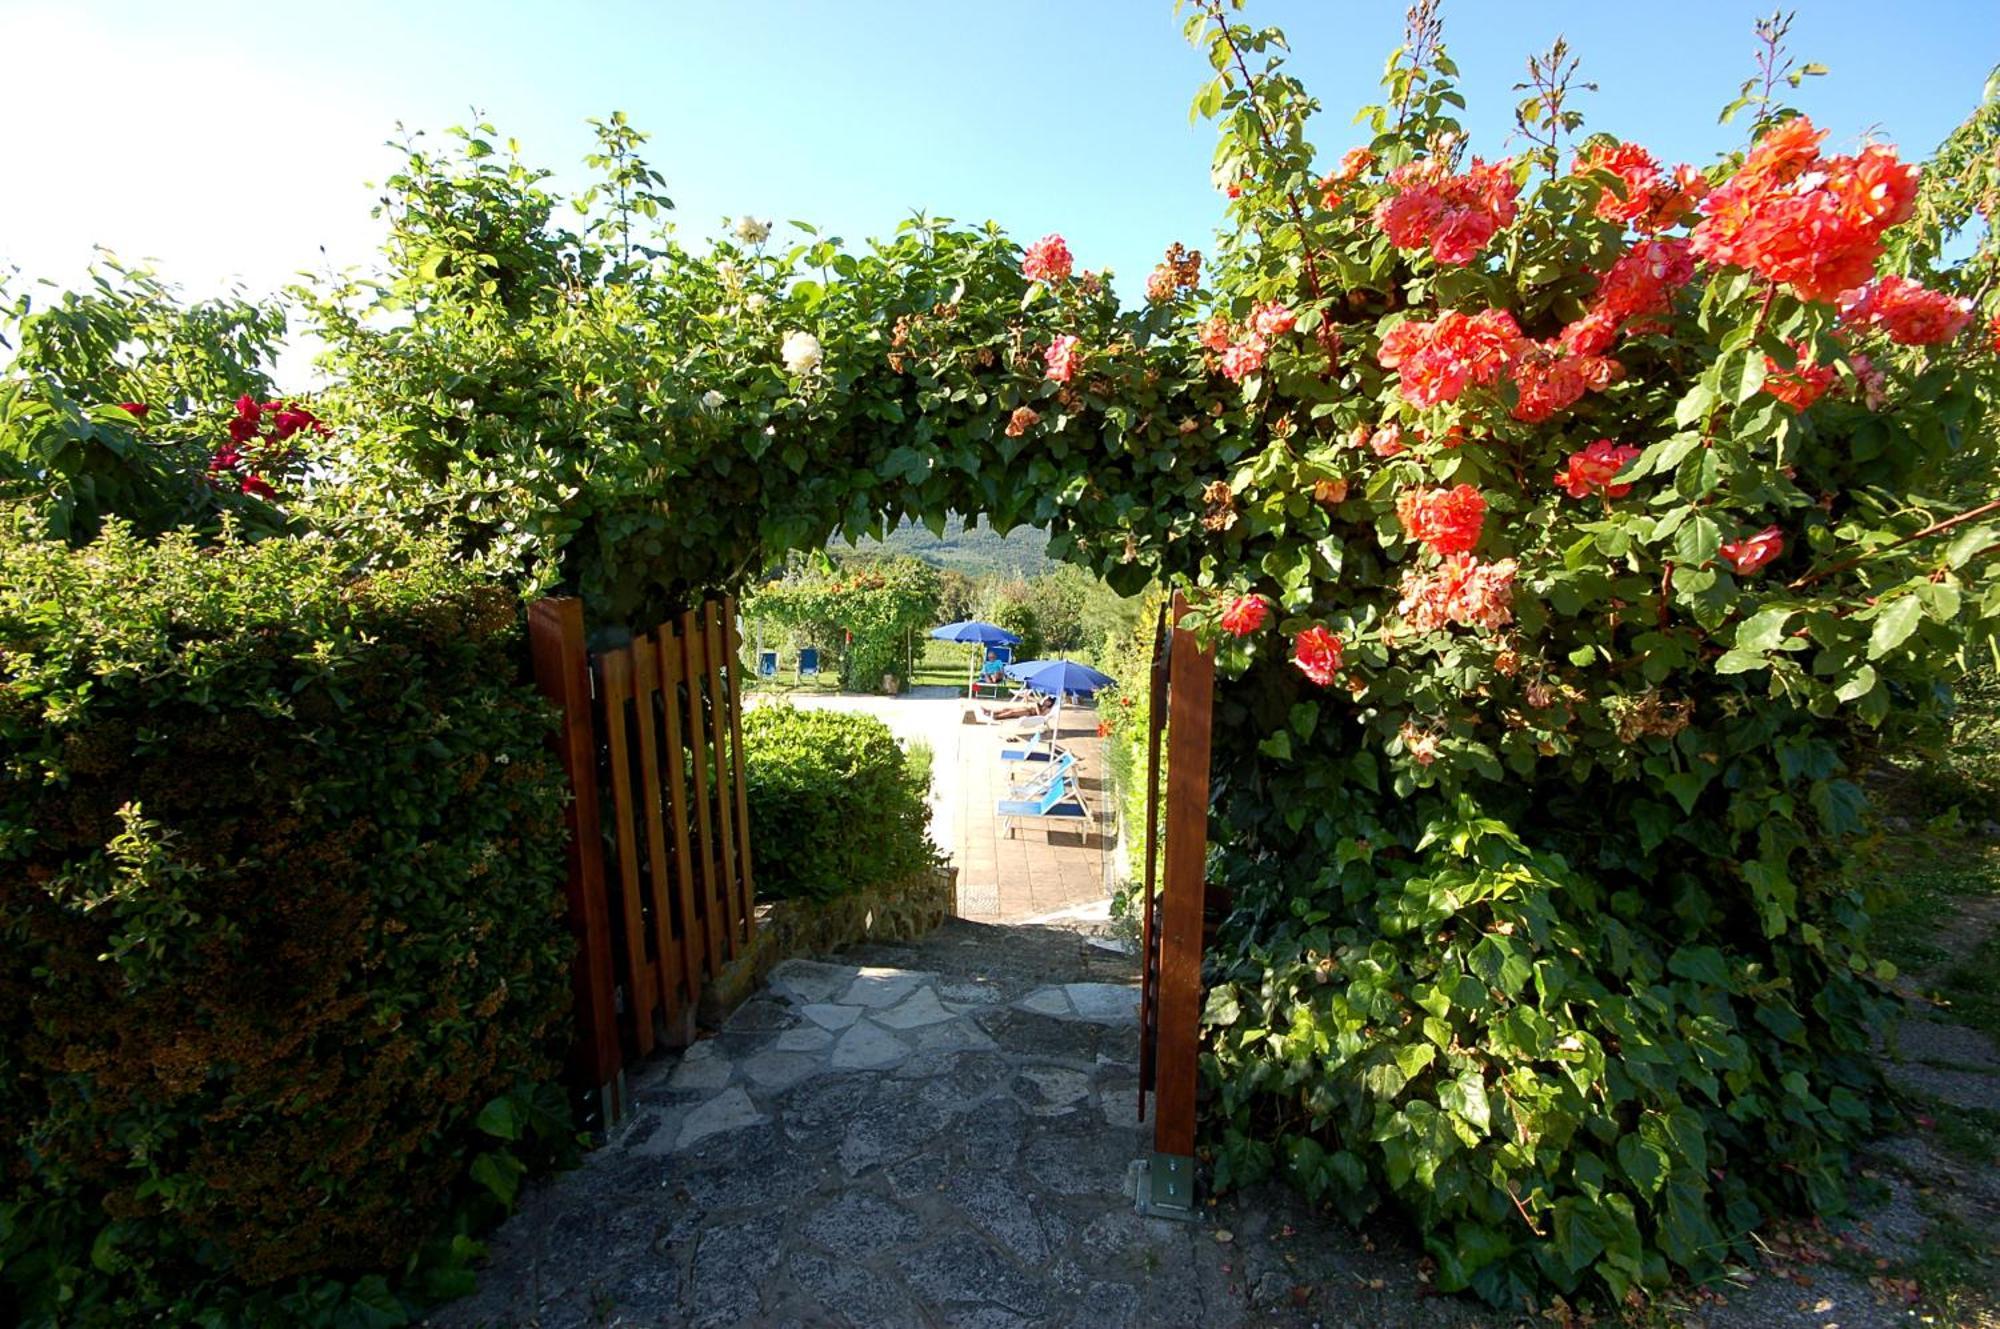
[1169,1188]
[607,1104]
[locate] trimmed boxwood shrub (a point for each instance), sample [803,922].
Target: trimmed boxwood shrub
[836,805]
[283,975]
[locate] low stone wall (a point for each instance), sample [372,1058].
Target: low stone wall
[792,929]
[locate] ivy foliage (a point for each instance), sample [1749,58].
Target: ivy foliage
[631,430]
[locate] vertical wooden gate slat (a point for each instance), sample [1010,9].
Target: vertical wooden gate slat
[659,886]
[686,888]
[616,669]
[734,641]
[725,780]
[1149,950]
[562,672]
[714,892]
[1190,714]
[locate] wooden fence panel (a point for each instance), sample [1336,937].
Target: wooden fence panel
[714,894]
[725,793]
[658,883]
[652,741]
[697,957]
[1149,932]
[733,641]
[615,673]
[562,673]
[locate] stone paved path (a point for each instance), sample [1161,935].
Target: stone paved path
[929,1136]
[938,1134]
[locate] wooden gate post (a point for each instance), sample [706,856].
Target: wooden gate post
[1190,716]
[562,673]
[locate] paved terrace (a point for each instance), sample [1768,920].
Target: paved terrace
[1046,870]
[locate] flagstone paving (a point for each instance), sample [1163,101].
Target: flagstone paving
[940,1134]
[937,1135]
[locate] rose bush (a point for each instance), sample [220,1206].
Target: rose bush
[1533,800]
[126,401]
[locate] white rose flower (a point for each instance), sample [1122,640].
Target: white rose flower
[713,400]
[751,231]
[729,272]
[801,352]
[753,302]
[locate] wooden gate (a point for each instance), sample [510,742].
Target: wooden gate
[660,889]
[1182,712]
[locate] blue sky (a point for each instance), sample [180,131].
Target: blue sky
[235,139]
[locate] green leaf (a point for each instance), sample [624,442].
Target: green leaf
[1763,630]
[1860,685]
[500,1118]
[1694,406]
[1740,375]
[1465,1097]
[1697,540]
[1893,625]
[1703,964]
[499,1172]
[1412,1058]
[370,1304]
[1644,1162]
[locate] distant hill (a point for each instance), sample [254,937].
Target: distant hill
[976,551]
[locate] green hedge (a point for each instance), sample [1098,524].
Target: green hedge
[834,803]
[282,968]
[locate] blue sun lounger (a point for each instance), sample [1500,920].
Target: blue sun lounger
[1061,800]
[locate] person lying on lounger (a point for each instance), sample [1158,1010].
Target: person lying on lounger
[1014,710]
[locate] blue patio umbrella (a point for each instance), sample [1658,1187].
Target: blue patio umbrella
[973,632]
[1058,678]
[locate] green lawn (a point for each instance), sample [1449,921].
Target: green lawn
[945,662]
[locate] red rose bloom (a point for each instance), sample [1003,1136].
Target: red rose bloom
[1047,260]
[1246,613]
[1437,361]
[136,408]
[257,486]
[1593,468]
[1446,520]
[1454,215]
[1812,223]
[1800,386]
[1910,313]
[1753,552]
[1318,653]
